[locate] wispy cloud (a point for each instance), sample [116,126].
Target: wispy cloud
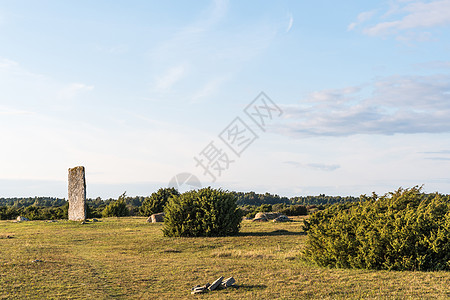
[209,89]
[115,49]
[361,18]
[402,18]
[439,158]
[291,23]
[444,155]
[7,63]
[314,166]
[197,57]
[74,89]
[13,68]
[437,64]
[399,104]
[170,77]
[12,111]
[437,152]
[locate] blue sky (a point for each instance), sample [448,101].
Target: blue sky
[134,90]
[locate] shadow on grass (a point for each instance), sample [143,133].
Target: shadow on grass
[249,286]
[271,233]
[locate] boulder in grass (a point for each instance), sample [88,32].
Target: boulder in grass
[228,282]
[261,219]
[282,218]
[215,284]
[267,215]
[155,218]
[22,219]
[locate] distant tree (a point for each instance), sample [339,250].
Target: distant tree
[156,202]
[295,210]
[265,208]
[117,208]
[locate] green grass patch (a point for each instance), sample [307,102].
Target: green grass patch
[127,258]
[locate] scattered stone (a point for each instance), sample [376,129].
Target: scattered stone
[282,218]
[198,290]
[52,221]
[215,284]
[77,194]
[22,219]
[36,261]
[260,215]
[228,282]
[262,219]
[155,218]
[218,283]
[7,236]
[95,220]
[83,222]
[267,215]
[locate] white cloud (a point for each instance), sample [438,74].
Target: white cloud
[7,63]
[74,89]
[404,16]
[399,104]
[437,64]
[116,49]
[209,89]
[361,18]
[314,166]
[193,60]
[13,68]
[170,77]
[291,23]
[12,111]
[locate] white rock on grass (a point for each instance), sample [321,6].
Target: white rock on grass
[215,284]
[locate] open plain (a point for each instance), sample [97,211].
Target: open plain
[127,258]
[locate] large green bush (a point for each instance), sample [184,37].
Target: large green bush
[206,212]
[156,202]
[403,230]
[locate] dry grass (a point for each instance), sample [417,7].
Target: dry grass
[129,258]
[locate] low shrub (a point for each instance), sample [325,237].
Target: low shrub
[402,230]
[206,212]
[156,202]
[294,210]
[34,212]
[117,208]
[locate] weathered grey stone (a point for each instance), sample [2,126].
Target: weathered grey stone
[215,284]
[22,219]
[159,217]
[77,194]
[198,290]
[228,282]
[282,218]
[267,215]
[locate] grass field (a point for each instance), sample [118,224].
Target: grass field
[129,258]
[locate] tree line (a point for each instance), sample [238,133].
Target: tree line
[250,203]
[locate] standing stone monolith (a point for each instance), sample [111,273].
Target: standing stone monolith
[77,194]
